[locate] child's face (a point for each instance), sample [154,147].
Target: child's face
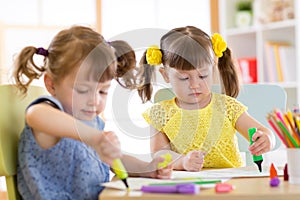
[190,86]
[82,99]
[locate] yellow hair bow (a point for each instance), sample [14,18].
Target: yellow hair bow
[153,55]
[219,45]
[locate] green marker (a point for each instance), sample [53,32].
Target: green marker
[256,159]
[120,171]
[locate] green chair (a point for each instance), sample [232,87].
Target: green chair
[12,113]
[260,100]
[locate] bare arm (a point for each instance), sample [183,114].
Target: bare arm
[266,139]
[50,124]
[160,145]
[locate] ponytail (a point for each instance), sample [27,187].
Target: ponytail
[228,73]
[152,57]
[25,65]
[147,76]
[126,64]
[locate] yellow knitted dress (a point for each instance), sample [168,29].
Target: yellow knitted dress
[210,129]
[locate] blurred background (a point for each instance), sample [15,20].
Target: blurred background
[35,22]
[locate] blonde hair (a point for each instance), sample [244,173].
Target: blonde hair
[188,48]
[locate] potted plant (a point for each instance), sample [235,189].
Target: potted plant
[243,17]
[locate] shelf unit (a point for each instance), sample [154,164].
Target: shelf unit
[250,42]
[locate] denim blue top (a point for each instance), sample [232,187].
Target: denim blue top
[69,170]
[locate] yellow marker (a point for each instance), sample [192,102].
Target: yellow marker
[120,171]
[168,159]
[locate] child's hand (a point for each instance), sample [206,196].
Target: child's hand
[108,147]
[159,172]
[262,143]
[193,160]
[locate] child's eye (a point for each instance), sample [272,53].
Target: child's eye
[203,77]
[183,78]
[81,91]
[103,92]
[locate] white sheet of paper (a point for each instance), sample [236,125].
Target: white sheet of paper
[184,176]
[251,171]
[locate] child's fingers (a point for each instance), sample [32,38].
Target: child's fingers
[163,176]
[259,139]
[257,135]
[108,147]
[110,138]
[260,146]
[197,154]
[194,160]
[165,173]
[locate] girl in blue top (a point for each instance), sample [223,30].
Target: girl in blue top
[63,151]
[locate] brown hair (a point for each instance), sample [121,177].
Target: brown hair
[70,48]
[188,48]
[126,62]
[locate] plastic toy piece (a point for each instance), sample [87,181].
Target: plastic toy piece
[273,171]
[285,173]
[223,187]
[274,182]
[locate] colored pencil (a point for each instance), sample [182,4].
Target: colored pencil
[287,134]
[293,130]
[286,126]
[277,132]
[275,121]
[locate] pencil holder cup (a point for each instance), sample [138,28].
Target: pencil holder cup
[293,163]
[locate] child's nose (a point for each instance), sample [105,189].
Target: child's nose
[194,83]
[94,99]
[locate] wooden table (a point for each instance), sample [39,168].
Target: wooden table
[245,189]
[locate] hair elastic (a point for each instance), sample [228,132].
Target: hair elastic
[42,51]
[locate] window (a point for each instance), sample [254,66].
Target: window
[36,23]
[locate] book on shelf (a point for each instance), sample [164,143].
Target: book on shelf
[288,63]
[248,69]
[270,73]
[279,62]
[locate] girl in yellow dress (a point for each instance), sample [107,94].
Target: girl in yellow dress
[198,127]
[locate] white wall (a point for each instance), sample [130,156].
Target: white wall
[120,16]
[35,22]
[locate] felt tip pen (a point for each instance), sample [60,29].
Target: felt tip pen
[256,159]
[179,188]
[120,171]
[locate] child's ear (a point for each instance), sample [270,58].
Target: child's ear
[49,84]
[164,74]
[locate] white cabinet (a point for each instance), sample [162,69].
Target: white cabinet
[251,41]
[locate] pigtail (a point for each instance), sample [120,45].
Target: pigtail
[147,75]
[25,65]
[126,64]
[228,73]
